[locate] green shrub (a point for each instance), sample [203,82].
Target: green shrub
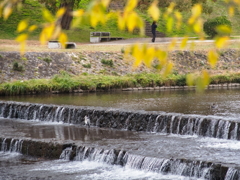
[87,65]
[47,60]
[17,67]
[107,62]
[210,25]
[207,9]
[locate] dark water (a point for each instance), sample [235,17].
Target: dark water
[178,101]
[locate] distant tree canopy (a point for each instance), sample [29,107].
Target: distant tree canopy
[70,5]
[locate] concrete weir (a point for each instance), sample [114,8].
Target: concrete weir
[183,167]
[125,120]
[123,138]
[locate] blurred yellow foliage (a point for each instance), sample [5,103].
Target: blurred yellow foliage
[154,11]
[212,58]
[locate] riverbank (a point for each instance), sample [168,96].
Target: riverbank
[64,71]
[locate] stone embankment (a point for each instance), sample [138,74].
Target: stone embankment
[44,65]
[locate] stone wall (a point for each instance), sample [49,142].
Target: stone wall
[44,65]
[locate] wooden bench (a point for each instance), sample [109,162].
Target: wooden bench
[96,37]
[57,45]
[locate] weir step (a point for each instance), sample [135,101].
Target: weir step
[183,167]
[165,123]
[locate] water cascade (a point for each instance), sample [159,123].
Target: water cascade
[182,167]
[14,146]
[166,123]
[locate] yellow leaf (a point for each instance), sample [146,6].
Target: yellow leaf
[60,12]
[237,2]
[184,43]
[197,27]
[154,11]
[21,38]
[1,11]
[212,58]
[76,22]
[22,25]
[196,10]
[32,28]
[141,25]
[169,24]
[131,21]
[191,20]
[7,11]
[121,22]
[190,79]
[22,48]
[231,11]
[131,4]
[223,30]
[49,30]
[162,56]
[105,3]
[170,8]
[203,81]
[168,69]
[78,13]
[206,78]
[137,53]
[127,52]
[47,15]
[63,39]
[172,44]
[56,32]
[94,19]
[43,38]
[178,16]
[149,55]
[221,41]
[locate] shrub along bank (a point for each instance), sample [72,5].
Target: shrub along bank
[65,83]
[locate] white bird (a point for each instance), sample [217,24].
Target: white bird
[87,121]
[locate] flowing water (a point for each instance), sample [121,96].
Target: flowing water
[178,101]
[133,135]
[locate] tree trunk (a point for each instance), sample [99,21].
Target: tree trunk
[67,18]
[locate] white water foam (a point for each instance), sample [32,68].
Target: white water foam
[9,155]
[220,143]
[94,170]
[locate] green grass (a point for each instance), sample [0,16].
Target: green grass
[219,9]
[32,10]
[67,83]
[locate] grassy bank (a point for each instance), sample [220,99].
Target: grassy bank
[64,83]
[32,10]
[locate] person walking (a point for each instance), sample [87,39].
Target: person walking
[154,27]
